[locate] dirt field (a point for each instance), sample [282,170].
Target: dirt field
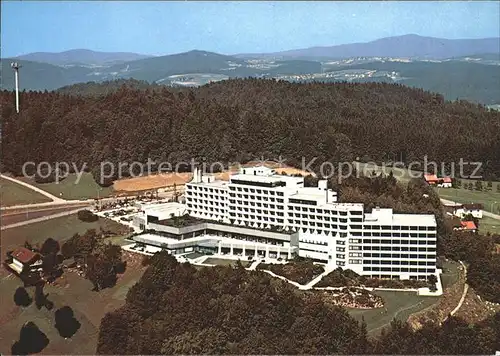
[151,182]
[157,181]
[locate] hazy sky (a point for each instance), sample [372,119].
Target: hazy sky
[231,27]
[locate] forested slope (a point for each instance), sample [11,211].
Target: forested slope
[176,309]
[244,119]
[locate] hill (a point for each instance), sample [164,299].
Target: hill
[454,79]
[157,68]
[81,57]
[472,77]
[42,76]
[240,120]
[408,46]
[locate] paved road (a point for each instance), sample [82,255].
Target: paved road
[43,218]
[49,204]
[485,213]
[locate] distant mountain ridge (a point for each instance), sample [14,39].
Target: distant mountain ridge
[410,46]
[83,57]
[471,75]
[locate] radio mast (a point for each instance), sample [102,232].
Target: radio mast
[15,66]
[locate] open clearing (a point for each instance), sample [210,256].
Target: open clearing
[70,290]
[487,224]
[69,188]
[162,180]
[490,200]
[151,182]
[401,305]
[59,229]
[16,217]
[401,174]
[15,194]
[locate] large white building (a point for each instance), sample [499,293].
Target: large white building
[377,244]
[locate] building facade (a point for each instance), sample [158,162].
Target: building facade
[380,244]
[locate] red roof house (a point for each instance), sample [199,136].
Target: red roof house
[23,258]
[431,178]
[467,226]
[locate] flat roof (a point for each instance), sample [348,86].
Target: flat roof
[266,179]
[386,216]
[215,183]
[414,219]
[164,208]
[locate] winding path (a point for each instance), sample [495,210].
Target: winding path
[464,293]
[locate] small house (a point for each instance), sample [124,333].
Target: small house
[474,209]
[444,182]
[431,179]
[24,260]
[462,210]
[467,226]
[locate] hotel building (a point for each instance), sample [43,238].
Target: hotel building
[379,244]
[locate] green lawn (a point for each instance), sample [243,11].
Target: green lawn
[450,273]
[59,229]
[401,174]
[224,262]
[400,305]
[487,224]
[71,290]
[490,200]
[15,194]
[86,187]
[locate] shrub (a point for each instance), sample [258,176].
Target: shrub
[87,216]
[22,298]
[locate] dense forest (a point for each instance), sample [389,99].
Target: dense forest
[239,120]
[177,309]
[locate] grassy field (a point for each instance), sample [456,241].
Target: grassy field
[70,290]
[73,291]
[224,262]
[15,194]
[401,305]
[490,225]
[59,229]
[17,217]
[490,200]
[401,174]
[70,189]
[450,273]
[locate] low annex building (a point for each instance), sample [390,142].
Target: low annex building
[462,210]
